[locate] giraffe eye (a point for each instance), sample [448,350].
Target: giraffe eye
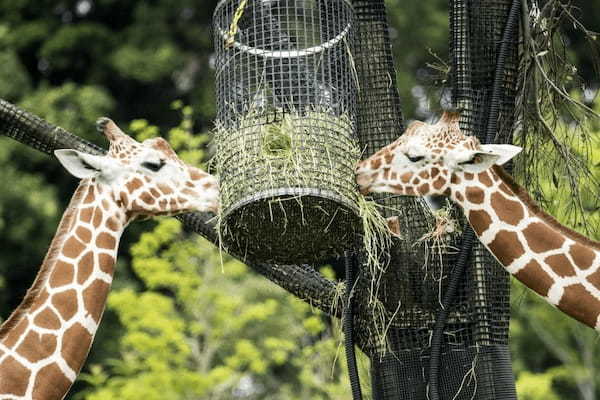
[153,166]
[415,159]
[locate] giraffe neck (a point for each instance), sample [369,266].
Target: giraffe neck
[558,263]
[45,342]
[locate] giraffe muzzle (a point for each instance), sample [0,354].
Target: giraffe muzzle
[364,182]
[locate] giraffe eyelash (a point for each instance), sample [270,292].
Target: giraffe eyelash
[415,159]
[152,166]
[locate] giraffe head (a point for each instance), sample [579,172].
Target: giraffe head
[147,178]
[428,159]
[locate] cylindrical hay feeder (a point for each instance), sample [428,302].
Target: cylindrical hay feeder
[285,141]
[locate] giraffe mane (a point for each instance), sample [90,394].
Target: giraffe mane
[51,257]
[522,194]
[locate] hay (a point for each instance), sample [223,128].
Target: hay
[287,185]
[439,240]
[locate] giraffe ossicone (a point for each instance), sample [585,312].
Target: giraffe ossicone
[45,341]
[558,263]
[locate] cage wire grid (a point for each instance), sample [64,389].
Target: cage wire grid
[285,138]
[475,357]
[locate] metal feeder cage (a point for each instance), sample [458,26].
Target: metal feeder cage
[285,140]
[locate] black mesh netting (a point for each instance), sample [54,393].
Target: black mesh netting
[475,362]
[285,138]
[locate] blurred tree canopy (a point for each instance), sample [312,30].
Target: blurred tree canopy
[176,326]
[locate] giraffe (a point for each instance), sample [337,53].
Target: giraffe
[45,341]
[556,262]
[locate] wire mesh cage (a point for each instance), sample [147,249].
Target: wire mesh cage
[285,136]
[474,360]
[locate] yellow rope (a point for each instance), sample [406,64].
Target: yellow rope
[234,24]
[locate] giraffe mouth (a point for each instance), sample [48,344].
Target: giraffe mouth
[364,182]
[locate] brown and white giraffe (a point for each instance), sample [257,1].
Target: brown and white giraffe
[558,263]
[45,341]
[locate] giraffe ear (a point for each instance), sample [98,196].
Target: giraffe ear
[81,165]
[505,152]
[491,154]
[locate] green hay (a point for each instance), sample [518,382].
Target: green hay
[288,177]
[377,241]
[439,241]
[276,140]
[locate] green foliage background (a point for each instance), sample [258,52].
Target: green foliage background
[181,322]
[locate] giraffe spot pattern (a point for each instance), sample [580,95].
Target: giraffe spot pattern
[439,183]
[113,224]
[106,263]
[580,304]
[508,211]
[36,347]
[480,220]
[97,217]
[389,157]
[166,190]
[484,177]
[504,188]
[90,197]
[583,257]
[76,343]
[475,195]
[423,189]
[94,298]
[40,300]
[541,238]
[65,303]
[594,279]
[84,234]
[459,197]
[397,189]
[560,265]
[13,335]
[124,198]
[147,198]
[106,241]
[62,274]
[134,185]
[73,247]
[535,277]
[47,319]
[86,214]
[85,267]
[50,383]
[506,247]
[196,174]
[15,377]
